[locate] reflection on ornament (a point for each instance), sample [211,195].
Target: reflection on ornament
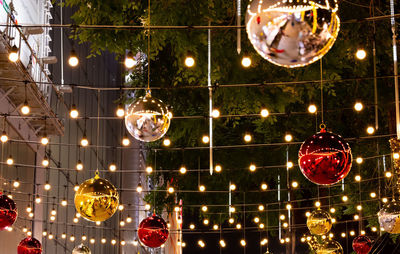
[81,249]
[292,33]
[325,158]
[147,119]
[96,199]
[319,222]
[8,212]
[153,231]
[29,245]
[362,244]
[389,217]
[330,247]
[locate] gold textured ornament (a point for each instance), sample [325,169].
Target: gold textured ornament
[330,247]
[319,222]
[96,199]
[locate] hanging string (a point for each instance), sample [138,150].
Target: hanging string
[395,67]
[322,94]
[148,52]
[98,131]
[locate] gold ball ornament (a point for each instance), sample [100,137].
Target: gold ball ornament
[147,119]
[96,199]
[330,247]
[319,222]
[292,33]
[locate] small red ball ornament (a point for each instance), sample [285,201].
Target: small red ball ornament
[8,212]
[362,244]
[153,231]
[325,158]
[30,245]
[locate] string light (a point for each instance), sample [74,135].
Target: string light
[13,56]
[288,137]
[189,61]
[288,206]
[147,207]
[64,202]
[370,130]
[183,170]
[215,227]
[372,195]
[385,200]
[222,243]
[359,207]
[218,168]
[73,113]
[167,142]
[289,164]
[206,221]
[120,112]
[285,225]
[202,188]
[358,106]
[232,209]
[84,238]
[295,184]
[73,60]
[4,137]
[126,141]
[264,113]
[232,187]
[238,226]
[79,165]
[256,220]
[356,217]
[103,241]
[45,161]
[25,109]
[29,209]
[84,141]
[171,190]
[130,61]
[10,161]
[204,208]
[72,238]
[192,226]
[345,198]
[112,167]
[231,220]
[282,217]
[396,156]
[215,113]
[246,61]
[201,243]
[205,139]
[361,54]
[16,183]
[388,174]
[113,241]
[149,170]
[252,167]
[243,242]
[129,219]
[247,138]
[332,210]
[264,186]
[44,140]
[47,186]
[317,204]
[261,208]
[312,109]
[139,188]
[357,178]
[359,160]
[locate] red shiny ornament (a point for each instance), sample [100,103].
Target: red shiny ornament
[362,244]
[153,231]
[8,212]
[325,158]
[30,245]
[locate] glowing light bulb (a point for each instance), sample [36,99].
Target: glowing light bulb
[345,198]
[218,168]
[359,160]
[183,170]
[206,221]
[396,156]
[215,113]
[388,174]
[112,167]
[243,242]
[385,200]
[76,188]
[370,130]
[202,188]
[25,109]
[171,190]
[264,186]
[288,137]
[16,184]
[201,243]
[252,167]
[289,164]
[358,106]
[149,170]
[147,207]
[189,61]
[72,238]
[238,226]
[129,219]
[312,109]
[295,184]
[246,62]
[247,138]
[126,141]
[38,200]
[357,178]
[47,186]
[288,206]
[232,187]
[166,142]
[139,188]
[256,220]
[13,56]
[130,61]
[4,137]
[192,226]
[84,141]
[113,241]
[261,208]
[64,202]
[222,243]
[103,241]
[332,210]
[79,165]
[359,207]
[205,139]
[282,217]
[45,161]
[372,195]
[204,208]
[264,112]
[356,217]
[73,60]
[231,220]
[44,140]
[215,227]
[73,113]
[10,161]
[317,204]
[361,54]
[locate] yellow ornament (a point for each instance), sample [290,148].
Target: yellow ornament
[96,199]
[319,222]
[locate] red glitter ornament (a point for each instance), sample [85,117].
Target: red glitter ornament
[30,245]
[153,231]
[8,212]
[325,158]
[362,244]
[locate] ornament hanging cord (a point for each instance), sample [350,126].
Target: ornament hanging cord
[322,96]
[148,51]
[98,132]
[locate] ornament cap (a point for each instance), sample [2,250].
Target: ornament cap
[322,126]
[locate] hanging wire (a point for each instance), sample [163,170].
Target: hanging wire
[98,132]
[148,50]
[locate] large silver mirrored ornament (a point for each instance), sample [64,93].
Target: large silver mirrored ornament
[81,249]
[147,119]
[389,217]
[292,33]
